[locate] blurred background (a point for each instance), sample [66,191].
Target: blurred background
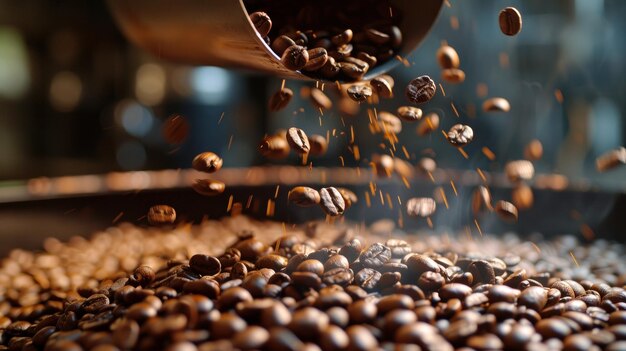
[77,98]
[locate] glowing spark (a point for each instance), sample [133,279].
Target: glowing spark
[442,90]
[574,259]
[454,188]
[444,198]
[478,227]
[221,117]
[230,204]
[488,153]
[276,191]
[456,112]
[482,175]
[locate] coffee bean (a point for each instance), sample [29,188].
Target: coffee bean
[333,338]
[318,144]
[94,303]
[447,57]
[409,113]
[454,291]
[353,70]
[342,38]
[208,187]
[611,159]
[506,210]
[251,338]
[126,334]
[320,100]
[375,256]
[383,165]
[330,69]
[382,86]
[481,199]
[295,57]
[313,266]
[262,23]
[460,135]
[281,44]
[304,196]
[533,150]
[205,265]
[272,261]
[274,147]
[306,279]
[161,214]
[207,162]
[428,124]
[483,272]
[317,59]
[175,129]
[338,276]
[522,196]
[421,207]
[349,197]
[510,21]
[331,201]
[280,99]
[359,93]
[282,339]
[336,261]
[360,339]
[367,58]
[519,170]
[453,75]
[298,140]
[227,326]
[308,323]
[496,104]
[367,278]
[420,90]
[533,297]
[431,281]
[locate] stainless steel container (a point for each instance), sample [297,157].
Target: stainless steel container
[219,32]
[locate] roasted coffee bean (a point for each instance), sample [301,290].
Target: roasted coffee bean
[320,99]
[510,21]
[353,70]
[342,38]
[336,261]
[306,279]
[313,266]
[447,57]
[428,124]
[317,59]
[519,170]
[338,276]
[382,86]
[281,44]
[352,249]
[399,248]
[295,57]
[262,23]
[298,140]
[330,69]
[318,144]
[207,162]
[420,90]
[367,58]
[430,281]
[161,214]
[403,168]
[331,201]
[367,278]
[482,272]
[375,256]
[359,93]
[611,159]
[205,265]
[144,275]
[383,165]
[496,104]
[533,150]
[418,264]
[208,187]
[409,113]
[349,197]
[280,99]
[481,199]
[522,196]
[421,207]
[453,75]
[376,37]
[175,129]
[533,297]
[333,338]
[360,339]
[308,323]
[304,196]
[506,210]
[460,135]
[274,147]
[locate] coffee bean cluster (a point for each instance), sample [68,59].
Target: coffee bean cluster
[244,285]
[328,39]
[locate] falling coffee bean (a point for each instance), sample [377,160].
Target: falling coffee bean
[383,165]
[611,159]
[349,197]
[388,123]
[522,196]
[421,206]
[453,75]
[208,187]
[331,201]
[506,210]
[304,196]
[280,99]
[359,93]
[428,124]
[207,162]
[447,57]
[460,135]
[317,59]
[161,214]
[496,104]
[519,170]
[383,86]
[481,199]
[175,129]
[318,144]
[295,57]
[534,150]
[298,140]
[262,23]
[420,90]
[274,146]
[320,100]
[409,113]
[510,21]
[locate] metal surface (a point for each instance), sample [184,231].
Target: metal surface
[219,32]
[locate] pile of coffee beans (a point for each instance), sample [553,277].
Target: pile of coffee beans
[329,39]
[238,284]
